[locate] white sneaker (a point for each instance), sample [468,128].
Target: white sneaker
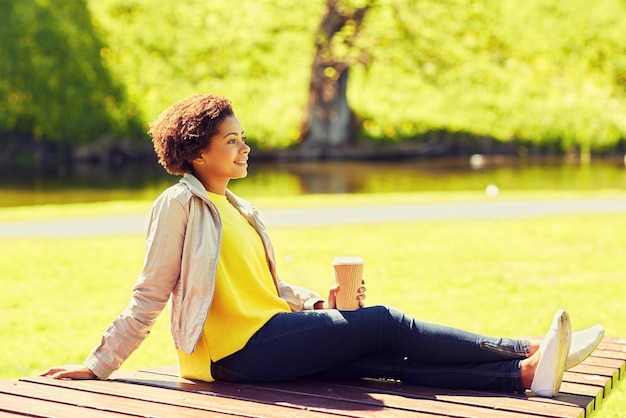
[554,350]
[583,344]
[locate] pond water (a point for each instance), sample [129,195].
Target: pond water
[146,181]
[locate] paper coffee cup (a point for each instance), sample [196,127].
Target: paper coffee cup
[348,275]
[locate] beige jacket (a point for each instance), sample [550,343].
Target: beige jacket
[182,248]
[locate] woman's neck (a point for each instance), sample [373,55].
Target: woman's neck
[213,186]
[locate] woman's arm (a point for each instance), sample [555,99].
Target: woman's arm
[151,292]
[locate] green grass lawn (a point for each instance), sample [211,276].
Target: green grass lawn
[502,277]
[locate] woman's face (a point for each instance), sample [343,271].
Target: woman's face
[225,158]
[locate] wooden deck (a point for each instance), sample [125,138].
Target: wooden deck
[159,393]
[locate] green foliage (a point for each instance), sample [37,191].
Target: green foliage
[53,83]
[549,72]
[257,53]
[535,70]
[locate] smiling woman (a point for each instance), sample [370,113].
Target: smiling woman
[233,319]
[201,135]
[225,158]
[186,128]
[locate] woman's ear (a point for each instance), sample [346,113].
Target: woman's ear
[198,160]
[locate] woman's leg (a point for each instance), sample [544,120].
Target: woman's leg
[304,343]
[502,376]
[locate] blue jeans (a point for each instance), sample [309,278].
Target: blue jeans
[375,342]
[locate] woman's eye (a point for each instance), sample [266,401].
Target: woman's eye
[234,140]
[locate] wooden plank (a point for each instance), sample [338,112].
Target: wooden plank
[448,401]
[368,395]
[13,415]
[613,343]
[167,370]
[612,348]
[601,383]
[584,390]
[529,404]
[19,405]
[585,368]
[604,371]
[615,364]
[583,384]
[573,404]
[363,405]
[227,398]
[159,392]
[66,397]
[612,354]
[323,392]
[405,397]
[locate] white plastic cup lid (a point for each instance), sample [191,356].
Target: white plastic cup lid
[347,260]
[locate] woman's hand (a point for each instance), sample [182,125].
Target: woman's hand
[331,302]
[361,294]
[74,372]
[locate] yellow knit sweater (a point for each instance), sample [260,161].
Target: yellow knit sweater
[245,295]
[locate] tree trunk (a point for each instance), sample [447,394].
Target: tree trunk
[330,122]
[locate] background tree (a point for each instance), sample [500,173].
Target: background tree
[330,121]
[546,74]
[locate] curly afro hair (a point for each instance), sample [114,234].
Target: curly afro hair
[186,128]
